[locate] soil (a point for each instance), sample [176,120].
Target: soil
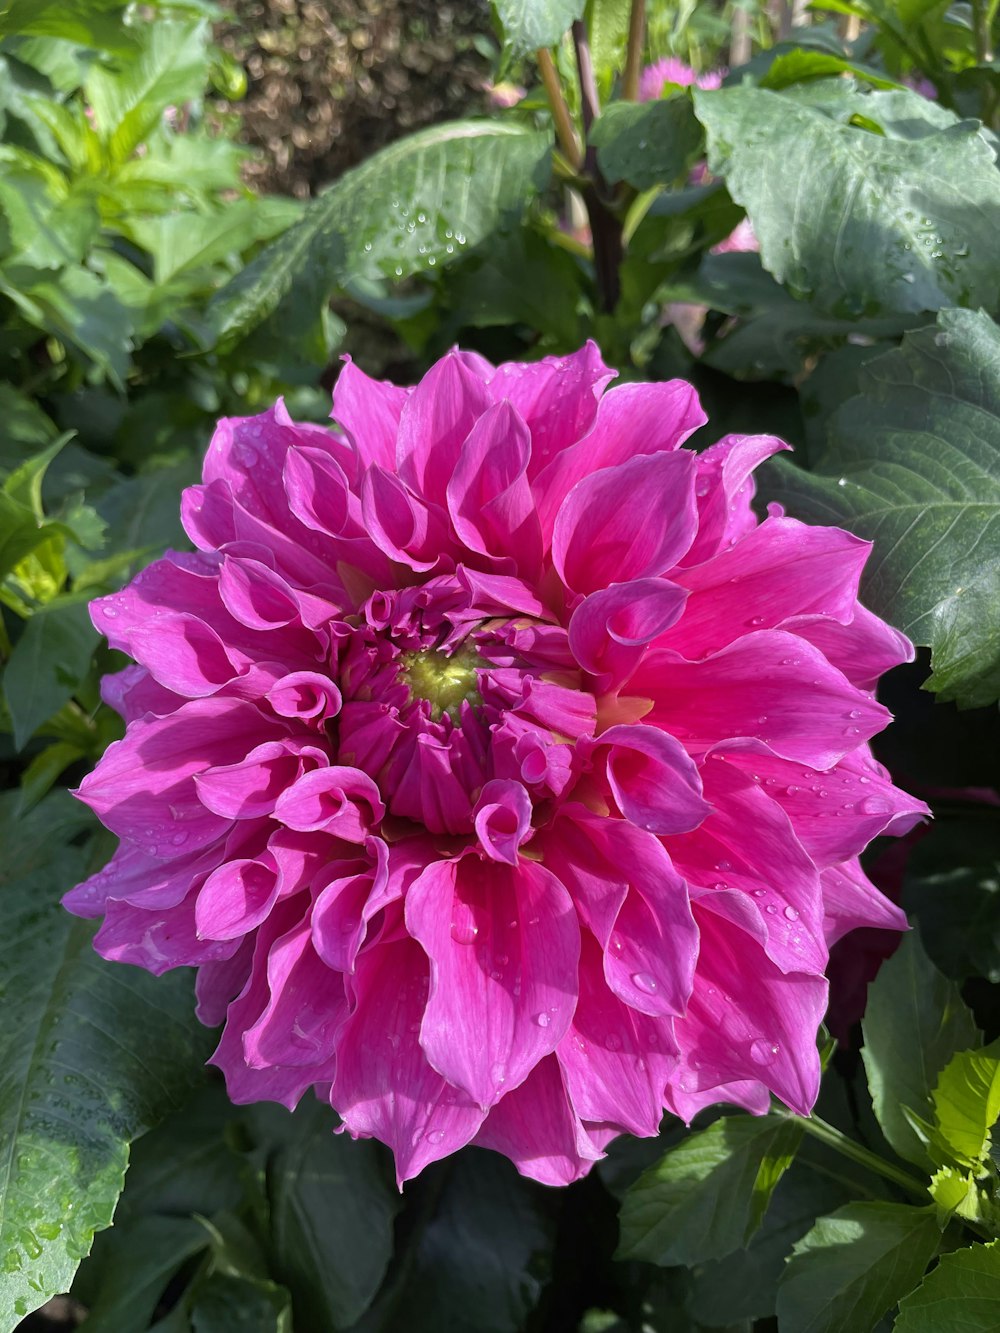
[332,81]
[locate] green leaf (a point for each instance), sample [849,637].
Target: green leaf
[855,1265]
[856,222]
[952,887]
[25,427]
[744,1285]
[170,68]
[647,144]
[914,466]
[40,775]
[48,662]
[332,1207]
[416,204]
[914,1023]
[961,1194]
[139,1261]
[20,532]
[91,1056]
[607,29]
[961,1295]
[708,1195]
[479,1263]
[94,23]
[967,1106]
[531,24]
[228,1304]
[799,66]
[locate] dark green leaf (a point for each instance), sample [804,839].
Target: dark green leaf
[915,1022]
[647,144]
[479,1263]
[417,204]
[91,1055]
[962,1295]
[530,24]
[708,1195]
[860,223]
[854,1266]
[332,1207]
[139,1261]
[49,661]
[95,23]
[744,1285]
[914,466]
[952,887]
[228,1304]
[800,66]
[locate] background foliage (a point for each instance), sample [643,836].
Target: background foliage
[145,290]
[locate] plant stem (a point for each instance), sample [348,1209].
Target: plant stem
[565,132]
[605,227]
[633,58]
[833,1138]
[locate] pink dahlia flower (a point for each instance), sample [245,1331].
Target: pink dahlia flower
[655,77]
[503,777]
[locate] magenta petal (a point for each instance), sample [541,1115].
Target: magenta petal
[779,570]
[251,787]
[504,945]
[609,629]
[747,1020]
[536,1127]
[435,420]
[502,819]
[341,801]
[725,489]
[851,900]
[653,779]
[384,1086]
[863,649]
[636,904]
[771,686]
[558,397]
[236,898]
[627,522]
[615,1061]
[399,522]
[632,419]
[748,843]
[489,498]
[369,411]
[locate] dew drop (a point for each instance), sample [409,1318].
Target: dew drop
[617,943]
[771,910]
[755,620]
[791,914]
[644,982]
[464,930]
[763,1052]
[543,1020]
[873,805]
[435,1136]
[855,712]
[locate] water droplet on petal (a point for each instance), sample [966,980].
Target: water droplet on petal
[763,1052]
[644,981]
[435,1136]
[543,1020]
[791,914]
[874,805]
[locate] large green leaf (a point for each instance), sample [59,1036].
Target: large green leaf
[91,1056]
[861,223]
[952,888]
[95,23]
[648,143]
[417,204]
[914,466]
[914,1023]
[171,68]
[479,1261]
[332,1206]
[967,1106]
[140,1259]
[855,1265]
[49,661]
[708,1195]
[530,24]
[962,1295]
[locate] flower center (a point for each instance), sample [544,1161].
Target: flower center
[443,680]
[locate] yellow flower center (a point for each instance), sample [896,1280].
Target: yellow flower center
[444,681]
